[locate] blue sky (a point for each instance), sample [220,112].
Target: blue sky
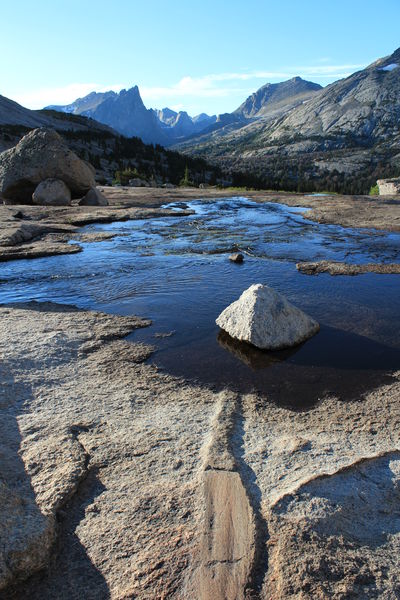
[195,56]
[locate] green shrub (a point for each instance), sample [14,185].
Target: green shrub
[374,191]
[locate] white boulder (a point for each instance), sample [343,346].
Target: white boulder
[265,319]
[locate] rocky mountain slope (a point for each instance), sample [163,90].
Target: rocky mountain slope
[274,97]
[126,113]
[123,111]
[270,101]
[181,125]
[343,138]
[13,114]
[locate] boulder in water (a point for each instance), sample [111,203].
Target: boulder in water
[265,319]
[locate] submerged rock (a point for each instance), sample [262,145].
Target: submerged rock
[93,198]
[236,258]
[52,192]
[264,318]
[42,154]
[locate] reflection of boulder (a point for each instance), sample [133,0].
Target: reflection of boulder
[250,355]
[265,319]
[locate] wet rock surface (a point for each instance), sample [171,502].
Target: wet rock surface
[236,258]
[338,268]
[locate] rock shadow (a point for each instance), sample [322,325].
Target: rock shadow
[70,575]
[249,481]
[28,538]
[359,502]
[342,530]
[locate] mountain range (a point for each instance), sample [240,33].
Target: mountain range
[115,157]
[125,112]
[293,135]
[342,137]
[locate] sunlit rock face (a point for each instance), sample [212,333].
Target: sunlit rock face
[389,187]
[265,319]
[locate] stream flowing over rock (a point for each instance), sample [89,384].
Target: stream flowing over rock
[265,319]
[42,154]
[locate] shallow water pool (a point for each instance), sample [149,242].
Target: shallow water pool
[176,271]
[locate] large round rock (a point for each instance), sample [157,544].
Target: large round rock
[265,319]
[42,154]
[52,192]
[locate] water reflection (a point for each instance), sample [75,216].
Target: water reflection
[251,356]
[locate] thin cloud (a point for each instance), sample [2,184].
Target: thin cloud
[209,86]
[41,97]
[214,85]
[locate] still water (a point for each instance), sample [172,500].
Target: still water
[175,270]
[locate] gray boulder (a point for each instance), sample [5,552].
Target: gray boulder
[42,154]
[138,182]
[52,192]
[265,319]
[93,198]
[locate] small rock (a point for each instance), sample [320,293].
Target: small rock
[236,258]
[52,192]
[264,318]
[93,198]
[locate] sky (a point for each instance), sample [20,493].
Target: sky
[188,55]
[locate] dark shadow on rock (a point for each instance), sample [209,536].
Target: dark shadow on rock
[30,542]
[21,522]
[361,501]
[44,306]
[348,533]
[71,575]
[249,481]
